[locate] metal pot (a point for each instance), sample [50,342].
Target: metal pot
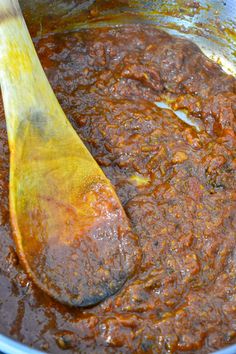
[211,24]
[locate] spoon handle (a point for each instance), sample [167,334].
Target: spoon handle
[24,85]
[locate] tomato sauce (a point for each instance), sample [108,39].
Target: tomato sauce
[175,181]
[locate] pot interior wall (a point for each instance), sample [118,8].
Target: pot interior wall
[210,24]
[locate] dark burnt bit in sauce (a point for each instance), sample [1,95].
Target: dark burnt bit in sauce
[177,185]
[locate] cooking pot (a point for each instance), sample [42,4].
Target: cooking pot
[210,24]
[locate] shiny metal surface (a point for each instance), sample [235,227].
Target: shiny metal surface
[210,24]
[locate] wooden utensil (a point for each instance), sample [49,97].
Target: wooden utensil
[71,232]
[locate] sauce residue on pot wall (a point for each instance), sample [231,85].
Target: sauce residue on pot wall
[176,183]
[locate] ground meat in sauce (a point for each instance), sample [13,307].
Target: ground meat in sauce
[177,186]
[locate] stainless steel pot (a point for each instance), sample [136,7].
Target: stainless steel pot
[210,24]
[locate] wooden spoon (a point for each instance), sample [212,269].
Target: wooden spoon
[71,232]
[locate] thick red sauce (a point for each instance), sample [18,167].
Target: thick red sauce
[177,185]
